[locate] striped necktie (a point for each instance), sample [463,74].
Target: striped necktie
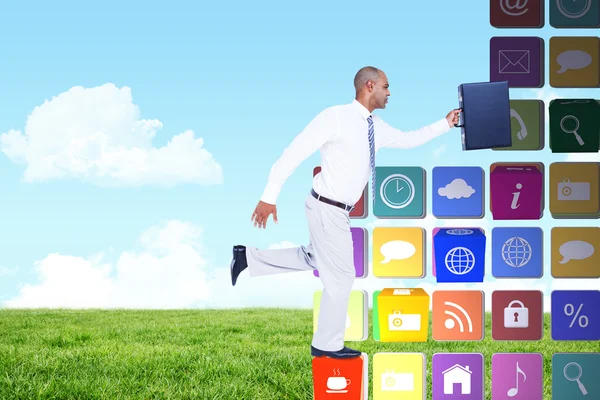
[372,151]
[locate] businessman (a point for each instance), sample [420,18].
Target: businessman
[348,137]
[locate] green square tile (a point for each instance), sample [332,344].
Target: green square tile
[574,125]
[575,376]
[527,125]
[400,192]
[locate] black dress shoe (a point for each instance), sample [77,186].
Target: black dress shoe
[346,352]
[238,263]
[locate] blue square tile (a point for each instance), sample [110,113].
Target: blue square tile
[517,252]
[459,255]
[458,192]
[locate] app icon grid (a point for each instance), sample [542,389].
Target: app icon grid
[515,192]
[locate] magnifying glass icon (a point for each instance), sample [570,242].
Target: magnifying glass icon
[573,131]
[576,378]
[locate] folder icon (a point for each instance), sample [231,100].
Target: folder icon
[485,115]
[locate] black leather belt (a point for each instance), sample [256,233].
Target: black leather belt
[332,202]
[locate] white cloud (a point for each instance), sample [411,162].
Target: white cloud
[168,271]
[96,135]
[457,189]
[66,281]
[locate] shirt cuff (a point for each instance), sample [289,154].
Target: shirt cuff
[270,193]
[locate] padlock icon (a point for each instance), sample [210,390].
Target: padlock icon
[516,317]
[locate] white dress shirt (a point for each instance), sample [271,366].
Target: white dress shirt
[341,134]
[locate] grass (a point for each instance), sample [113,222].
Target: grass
[194,354]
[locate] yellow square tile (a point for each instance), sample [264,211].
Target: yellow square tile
[398,252]
[575,252]
[403,315]
[575,62]
[574,188]
[399,376]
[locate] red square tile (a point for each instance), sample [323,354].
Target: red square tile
[517,315]
[335,378]
[517,13]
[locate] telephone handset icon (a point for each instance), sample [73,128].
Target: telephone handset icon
[522,133]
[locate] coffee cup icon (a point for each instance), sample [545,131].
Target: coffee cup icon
[337,384]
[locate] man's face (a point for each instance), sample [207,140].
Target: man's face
[381,91]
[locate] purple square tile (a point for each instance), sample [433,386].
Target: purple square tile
[359,244]
[457,376]
[518,376]
[518,60]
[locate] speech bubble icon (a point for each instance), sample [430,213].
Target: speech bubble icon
[573,59]
[397,250]
[575,250]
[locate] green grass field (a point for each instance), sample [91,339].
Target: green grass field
[193,354]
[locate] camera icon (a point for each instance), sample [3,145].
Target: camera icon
[404,322]
[397,381]
[568,190]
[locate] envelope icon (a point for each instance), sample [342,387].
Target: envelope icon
[513,61]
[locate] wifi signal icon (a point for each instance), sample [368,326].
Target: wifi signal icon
[455,319]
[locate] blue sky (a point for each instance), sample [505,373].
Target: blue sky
[150,129]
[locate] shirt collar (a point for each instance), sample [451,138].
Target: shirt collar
[361,109]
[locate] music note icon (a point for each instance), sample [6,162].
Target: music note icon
[529,371]
[513,391]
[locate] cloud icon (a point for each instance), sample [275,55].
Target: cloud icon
[456,189]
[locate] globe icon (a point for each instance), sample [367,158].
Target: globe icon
[460,260]
[516,252]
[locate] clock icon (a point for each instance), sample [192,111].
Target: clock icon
[397,191]
[574,8]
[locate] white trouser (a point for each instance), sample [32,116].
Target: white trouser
[330,251]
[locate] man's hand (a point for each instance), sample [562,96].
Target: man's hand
[262,212]
[453,117]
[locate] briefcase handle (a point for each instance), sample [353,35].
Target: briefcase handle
[461,107]
[460,118]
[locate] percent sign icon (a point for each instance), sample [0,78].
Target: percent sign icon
[570,310]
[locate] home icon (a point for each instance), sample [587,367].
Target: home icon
[457,374]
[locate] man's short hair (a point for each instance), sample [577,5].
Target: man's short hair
[363,75]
